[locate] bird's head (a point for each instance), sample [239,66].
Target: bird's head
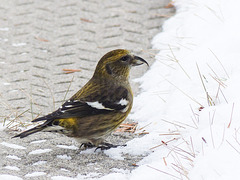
[117,64]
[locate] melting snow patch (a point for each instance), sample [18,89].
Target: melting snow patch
[119,170]
[14,168]
[6,84]
[91,175]
[40,151]
[13,157]
[4,29]
[88,151]
[67,147]
[79,176]
[63,169]
[18,44]
[39,163]
[62,178]
[34,174]
[13,146]
[64,157]
[39,141]
[115,176]
[1,126]
[7,177]
[115,153]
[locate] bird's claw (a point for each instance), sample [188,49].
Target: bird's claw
[86,145]
[106,146]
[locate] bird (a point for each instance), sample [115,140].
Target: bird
[99,107]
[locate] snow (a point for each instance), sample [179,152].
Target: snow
[4,29]
[14,168]
[38,141]
[63,169]
[13,157]
[64,156]
[1,126]
[72,147]
[19,44]
[39,163]
[13,146]
[79,176]
[189,101]
[35,174]
[6,83]
[40,151]
[62,178]
[114,176]
[7,177]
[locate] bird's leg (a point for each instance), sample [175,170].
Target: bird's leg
[105,146]
[87,145]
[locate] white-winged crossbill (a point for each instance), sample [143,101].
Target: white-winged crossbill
[99,107]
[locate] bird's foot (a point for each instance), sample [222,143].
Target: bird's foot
[105,146]
[86,145]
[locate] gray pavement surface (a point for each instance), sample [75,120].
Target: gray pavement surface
[38,39]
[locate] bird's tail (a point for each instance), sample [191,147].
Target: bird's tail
[30,131]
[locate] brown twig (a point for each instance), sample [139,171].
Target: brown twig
[231,116]
[127,127]
[164,143]
[68,71]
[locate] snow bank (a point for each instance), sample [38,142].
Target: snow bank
[189,101]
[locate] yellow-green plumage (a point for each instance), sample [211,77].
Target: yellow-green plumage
[100,106]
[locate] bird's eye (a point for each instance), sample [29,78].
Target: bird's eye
[125,58]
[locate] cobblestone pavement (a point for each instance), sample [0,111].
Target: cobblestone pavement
[38,39]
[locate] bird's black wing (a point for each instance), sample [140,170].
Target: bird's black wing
[106,102]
